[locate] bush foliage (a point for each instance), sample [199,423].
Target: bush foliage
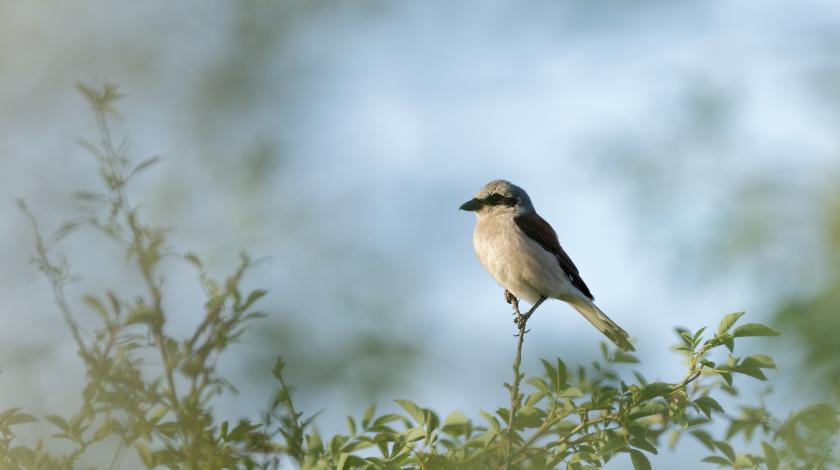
[150,394]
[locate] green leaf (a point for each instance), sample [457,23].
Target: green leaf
[193,259]
[59,422]
[277,370]
[770,456]
[144,165]
[640,377]
[622,357]
[539,384]
[253,297]
[313,442]
[728,321]
[562,374]
[431,421]
[106,429]
[655,389]
[93,302]
[556,374]
[643,444]
[729,341]
[760,361]
[236,434]
[349,461]
[707,405]
[146,456]
[368,415]
[456,418]
[142,314]
[696,338]
[685,336]
[571,392]
[413,410]
[648,408]
[351,424]
[640,462]
[6,413]
[534,398]
[704,437]
[89,196]
[754,329]
[718,460]
[613,446]
[414,434]
[550,371]
[751,371]
[726,449]
[494,423]
[20,418]
[157,414]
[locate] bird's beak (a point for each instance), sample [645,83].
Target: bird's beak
[471,205]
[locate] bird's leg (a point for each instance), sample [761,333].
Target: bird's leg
[535,306]
[510,298]
[521,319]
[514,302]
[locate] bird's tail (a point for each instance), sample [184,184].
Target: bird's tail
[603,323]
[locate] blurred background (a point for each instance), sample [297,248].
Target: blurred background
[687,155]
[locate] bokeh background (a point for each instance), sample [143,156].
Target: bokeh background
[687,154]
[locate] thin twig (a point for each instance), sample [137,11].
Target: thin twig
[548,424]
[116,457]
[117,188]
[514,389]
[57,277]
[521,322]
[295,437]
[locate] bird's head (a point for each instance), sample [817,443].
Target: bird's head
[499,197]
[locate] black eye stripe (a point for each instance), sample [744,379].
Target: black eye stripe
[499,200]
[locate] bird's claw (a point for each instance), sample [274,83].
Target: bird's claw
[521,320]
[510,298]
[521,332]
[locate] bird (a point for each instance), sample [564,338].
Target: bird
[521,252]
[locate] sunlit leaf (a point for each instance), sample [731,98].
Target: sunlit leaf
[754,329]
[728,321]
[145,455]
[412,409]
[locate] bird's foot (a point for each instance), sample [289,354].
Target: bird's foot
[521,320]
[510,298]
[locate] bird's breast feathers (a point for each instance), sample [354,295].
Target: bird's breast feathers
[517,262]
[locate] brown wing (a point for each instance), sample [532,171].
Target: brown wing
[541,232]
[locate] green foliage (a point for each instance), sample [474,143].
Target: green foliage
[151,394]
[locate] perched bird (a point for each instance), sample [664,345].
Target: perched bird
[521,251]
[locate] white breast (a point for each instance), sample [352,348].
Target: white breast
[516,262]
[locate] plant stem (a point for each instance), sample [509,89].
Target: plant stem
[517,377]
[564,440]
[295,436]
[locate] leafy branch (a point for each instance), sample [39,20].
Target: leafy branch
[152,392]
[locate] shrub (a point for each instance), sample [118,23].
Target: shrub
[577,417]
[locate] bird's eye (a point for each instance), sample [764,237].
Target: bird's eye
[494,198]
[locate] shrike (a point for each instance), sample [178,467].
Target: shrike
[520,250]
